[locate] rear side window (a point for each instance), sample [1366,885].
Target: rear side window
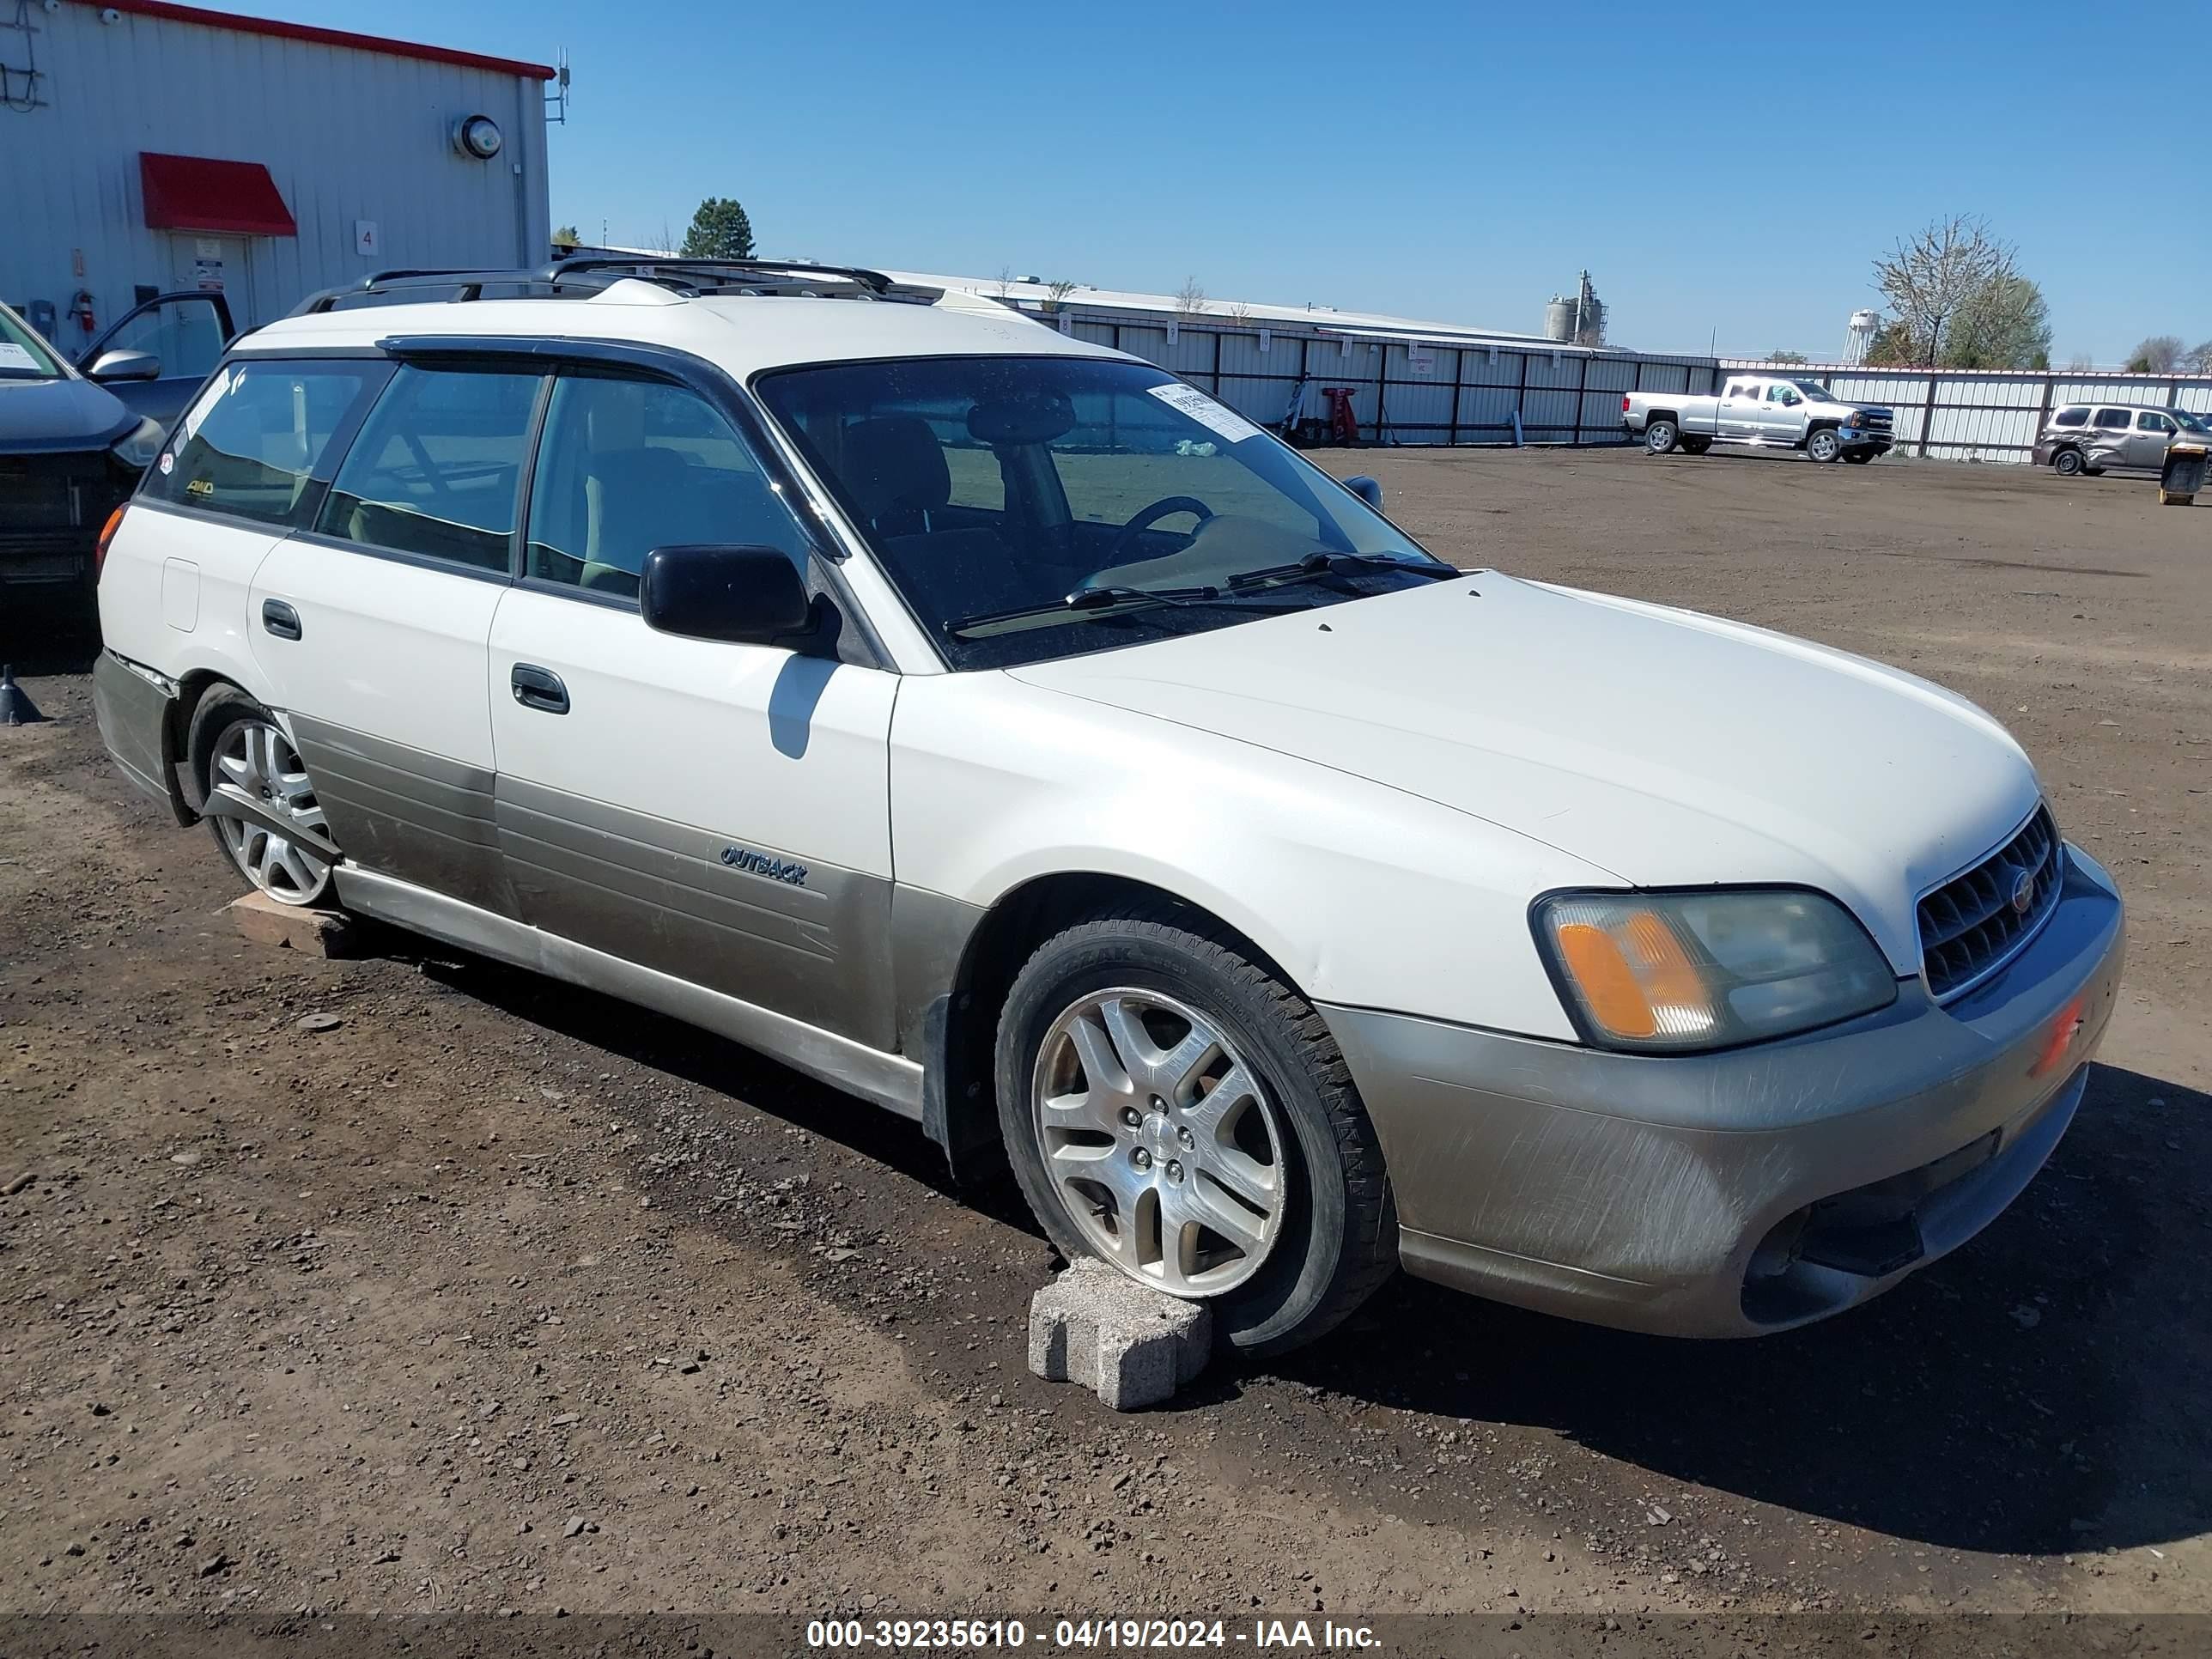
[250,443]
[626,466]
[2112,420]
[2150,420]
[2070,417]
[437,467]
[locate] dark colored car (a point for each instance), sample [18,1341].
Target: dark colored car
[72,443]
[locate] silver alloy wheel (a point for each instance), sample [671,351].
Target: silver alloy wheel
[1160,1142]
[1824,446]
[257,764]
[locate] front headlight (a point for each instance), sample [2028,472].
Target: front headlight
[137,447]
[1672,972]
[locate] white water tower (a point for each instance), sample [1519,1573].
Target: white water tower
[1860,339]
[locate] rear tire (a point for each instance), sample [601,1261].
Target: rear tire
[1824,446]
[1660,436]
[1696,446]
[1141,1016]
[2067,463]
[237,747]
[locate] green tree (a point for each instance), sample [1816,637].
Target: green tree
[1785,356]
[2004,323]
[719,230]
[1930,277]
[567,237]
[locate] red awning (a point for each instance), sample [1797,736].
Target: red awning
[195,193]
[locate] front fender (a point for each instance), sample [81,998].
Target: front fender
[1364,895]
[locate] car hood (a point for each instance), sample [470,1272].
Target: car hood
[58,415]
[1668,748]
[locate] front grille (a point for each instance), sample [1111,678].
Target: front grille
[1878,420]
[1974,923]
[50,492]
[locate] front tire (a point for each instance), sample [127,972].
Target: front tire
[1859,457]
[1696,446]
[1660,437]
[1824,446]
[240,750]
[1173,1109]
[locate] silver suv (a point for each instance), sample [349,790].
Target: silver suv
[2090,437]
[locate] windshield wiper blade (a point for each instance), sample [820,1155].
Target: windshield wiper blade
[1087,600]
[1333,564]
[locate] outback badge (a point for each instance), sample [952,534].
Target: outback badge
[760,864]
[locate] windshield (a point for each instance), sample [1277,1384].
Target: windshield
[1030,508]
[1815,391]
[23,354]
[2196,423]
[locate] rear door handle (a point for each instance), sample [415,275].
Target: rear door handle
[539,689]
[280,619]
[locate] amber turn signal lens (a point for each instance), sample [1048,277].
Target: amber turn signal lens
[106,535]
[1609,985]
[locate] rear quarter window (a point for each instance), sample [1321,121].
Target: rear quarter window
[2071,418]
[250,442]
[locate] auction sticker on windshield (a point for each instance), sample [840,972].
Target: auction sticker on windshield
[15,357]
[1206,412]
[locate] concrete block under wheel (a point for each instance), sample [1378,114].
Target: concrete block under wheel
[1131,1346]
[291,927]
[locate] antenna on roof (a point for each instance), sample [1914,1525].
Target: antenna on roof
[556,95]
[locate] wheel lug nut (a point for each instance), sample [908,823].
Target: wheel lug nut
[1159,1105]
[1175,1170]
[1132,1117]
[1190,1140]
[1142,1158]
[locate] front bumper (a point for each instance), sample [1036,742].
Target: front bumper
[1734,1194]
[1857,437]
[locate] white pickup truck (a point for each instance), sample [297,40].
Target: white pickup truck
[1762,410]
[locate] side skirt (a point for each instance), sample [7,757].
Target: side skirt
[892,1081]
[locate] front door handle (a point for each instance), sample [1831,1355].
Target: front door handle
[539,689]
[280,619]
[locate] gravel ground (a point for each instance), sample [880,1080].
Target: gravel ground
[474,1292]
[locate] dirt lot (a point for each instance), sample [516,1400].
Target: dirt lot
[498,1295]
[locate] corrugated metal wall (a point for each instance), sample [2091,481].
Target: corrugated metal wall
[346,135]
[1402,391]
[1962,414]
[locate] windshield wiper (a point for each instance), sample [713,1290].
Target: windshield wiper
[1088,600]
[1335,564]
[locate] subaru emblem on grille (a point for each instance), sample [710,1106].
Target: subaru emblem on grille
[2023,892]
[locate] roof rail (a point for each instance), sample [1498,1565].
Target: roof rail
[593,273]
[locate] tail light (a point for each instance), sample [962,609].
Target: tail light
[1624,402]
[106,535]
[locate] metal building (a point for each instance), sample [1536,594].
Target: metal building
[1403,380]
[146,147]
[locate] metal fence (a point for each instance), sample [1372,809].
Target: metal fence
[1962,414]
[1403,391]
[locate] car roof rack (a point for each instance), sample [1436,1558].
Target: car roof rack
[583,275]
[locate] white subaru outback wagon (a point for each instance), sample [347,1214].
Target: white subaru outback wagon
[997,727]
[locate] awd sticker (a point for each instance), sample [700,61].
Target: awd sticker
[760,864]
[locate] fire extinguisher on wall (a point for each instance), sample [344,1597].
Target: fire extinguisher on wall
[79,306]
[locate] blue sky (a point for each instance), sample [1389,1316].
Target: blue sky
[1726,172]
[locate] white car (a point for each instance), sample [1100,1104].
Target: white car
[1000,729]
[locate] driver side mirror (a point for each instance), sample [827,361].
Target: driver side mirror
[741,595]
[1367,489]
[125,366]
